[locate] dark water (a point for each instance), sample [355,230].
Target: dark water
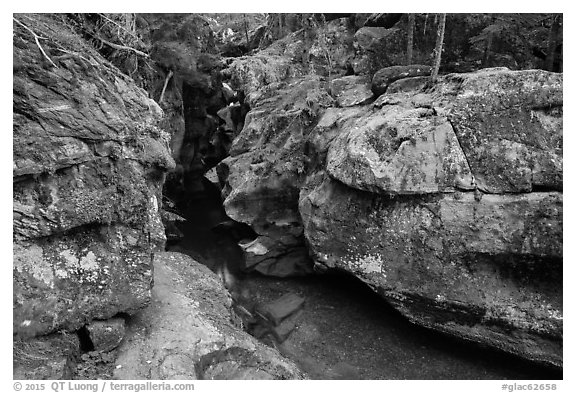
[201,242]
[346,326]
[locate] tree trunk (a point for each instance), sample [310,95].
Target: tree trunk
[246,28]
[552,42]
[411,22]
[438,48]
[487,51]
[280,26]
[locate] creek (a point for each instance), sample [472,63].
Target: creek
[346,331]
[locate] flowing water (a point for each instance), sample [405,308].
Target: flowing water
[346,331]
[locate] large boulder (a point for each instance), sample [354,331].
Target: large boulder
[88,167]
[188,331]
[485,269]
[447,202]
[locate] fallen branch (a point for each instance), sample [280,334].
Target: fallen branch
[122,47]
[165,85]
[36,38]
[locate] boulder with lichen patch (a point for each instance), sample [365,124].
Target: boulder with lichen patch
[447,201]
[486,270]
[88,167]
[509,124]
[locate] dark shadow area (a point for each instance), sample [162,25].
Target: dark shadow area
[353,323]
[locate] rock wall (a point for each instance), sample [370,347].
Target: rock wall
[444,198]
[88,165]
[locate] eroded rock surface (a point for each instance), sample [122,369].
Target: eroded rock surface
[89,163]
[445,199]
[187,332]
[488,270]
[265,168]
[509,124]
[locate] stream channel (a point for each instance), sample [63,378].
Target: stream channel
[346,331]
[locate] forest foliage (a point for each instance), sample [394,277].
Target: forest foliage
[470,41]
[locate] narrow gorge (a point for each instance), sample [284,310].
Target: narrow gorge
[282,196]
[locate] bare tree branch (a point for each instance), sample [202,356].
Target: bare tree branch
[122,47]
[36,38]
[165,85]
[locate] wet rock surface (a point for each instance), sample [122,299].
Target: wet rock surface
[326,343]
[187,332]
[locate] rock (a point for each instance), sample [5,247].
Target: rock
[229,94]
[351,90]
[378,47]
[229,114]
[444,198]
[106,335]
[384,77]
[416,83]
[238,363]
[399,150]
[184,44]
[88,168]
[235,230]
[212,177]
[368,37]
[332,50]
[46,357]
[281,308]
[484,269]
[283,256]
[265,167]
[277,319]
[286,327]
[252,74]
[169,219]
[187,333]
[509,124]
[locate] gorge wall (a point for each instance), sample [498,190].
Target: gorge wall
[91,153]
[445,198]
